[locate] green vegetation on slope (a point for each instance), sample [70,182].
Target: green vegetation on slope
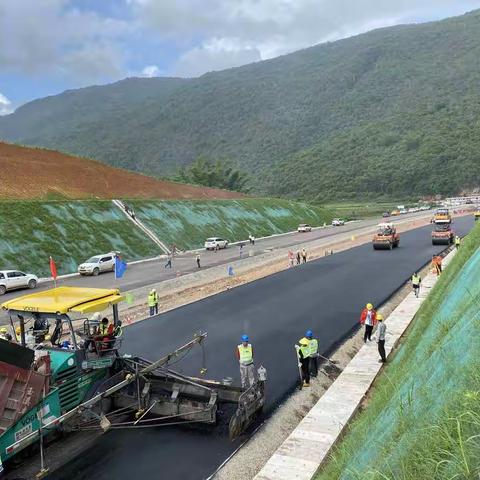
[68,231]
[188,223]
[71,231]
[422,421]
[390,113]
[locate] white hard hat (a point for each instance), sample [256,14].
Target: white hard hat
[152,290]
[96,316]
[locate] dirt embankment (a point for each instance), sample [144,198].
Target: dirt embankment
[33,173]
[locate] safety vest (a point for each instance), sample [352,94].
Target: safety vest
[457,240]
[245,353]
[152,299]
[305,349]
[103,328]
[415,280]
[313,344]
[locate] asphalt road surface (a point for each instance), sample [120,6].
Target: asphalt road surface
[147,273]
[325,295]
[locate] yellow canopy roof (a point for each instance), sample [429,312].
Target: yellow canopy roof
[66,299]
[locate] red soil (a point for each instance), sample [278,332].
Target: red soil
[31,173]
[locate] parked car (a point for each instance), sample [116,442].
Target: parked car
[395,213]
[337,222]
[385,214]
[215,243]
[304,227]
[97,264]
[13,279]
[403,211]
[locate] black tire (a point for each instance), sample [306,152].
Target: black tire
[95,272]
[3,289]
[32,283]
[390,246]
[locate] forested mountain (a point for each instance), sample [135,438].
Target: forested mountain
[392,112]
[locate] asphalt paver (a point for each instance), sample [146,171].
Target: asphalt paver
[325,295]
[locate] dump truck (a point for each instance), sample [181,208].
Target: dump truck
[386,237]
[442,234]
[442,215]
[63,374]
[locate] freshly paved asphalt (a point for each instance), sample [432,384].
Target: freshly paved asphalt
[147,273]
[325,295]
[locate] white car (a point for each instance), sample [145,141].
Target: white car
[215,243]
[12,279]
[98,264]
[403,211]
[338,222]
[304,227]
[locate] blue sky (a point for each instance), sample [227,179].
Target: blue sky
[48,46]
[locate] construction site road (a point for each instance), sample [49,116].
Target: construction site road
[325,295]
[151,272]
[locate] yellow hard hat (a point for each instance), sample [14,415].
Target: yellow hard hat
[47,337]
[379,316]
[3,330]
[303,341]
[369,306]
[18,330]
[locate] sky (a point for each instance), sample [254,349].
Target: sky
[48,46]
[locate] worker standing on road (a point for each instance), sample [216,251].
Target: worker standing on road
[169,261]
[298,257]
[245,359]
[252,239]
[303,351]
[153,302]
[197,258]
[380,334]
[458,240]
[313,344]
[368,318]
[304,255]
[416,281]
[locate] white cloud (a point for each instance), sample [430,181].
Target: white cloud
[151,71]
[5,105]
[262,29]
[52,37]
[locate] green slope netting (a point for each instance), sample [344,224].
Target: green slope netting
[72,231]
[189,223]
[423,408]
[69,231]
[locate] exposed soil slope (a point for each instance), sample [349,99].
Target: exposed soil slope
[29,173]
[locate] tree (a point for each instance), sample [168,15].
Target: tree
[219,174]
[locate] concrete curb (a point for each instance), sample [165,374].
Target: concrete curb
[307,447]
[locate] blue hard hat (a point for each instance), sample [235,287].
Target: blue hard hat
[65,344]
[309,333]
[244,338]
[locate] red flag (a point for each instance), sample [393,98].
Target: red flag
[53,268]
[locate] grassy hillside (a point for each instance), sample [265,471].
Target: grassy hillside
[422,421]
[68,231]
[188,224]
[71,231]
[48,175]
[389,113]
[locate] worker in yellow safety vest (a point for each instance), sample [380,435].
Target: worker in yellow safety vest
[313,344]
[245,359]
[304,356]
[458,240]
[416,281]
[153,302]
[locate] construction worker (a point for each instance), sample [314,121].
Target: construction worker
[245,359]
[197,258]
[437,264]
[416,281]
[304,356]
[153,302]
[304,255]
[458,240]
[368,318]
[380,335]
[313,344]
